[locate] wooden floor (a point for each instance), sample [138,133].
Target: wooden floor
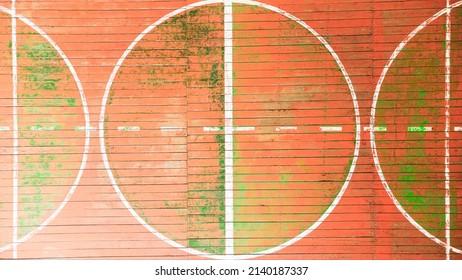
[231,129]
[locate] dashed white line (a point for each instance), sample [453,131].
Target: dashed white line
[4,128]
[419,128]
[330,128]
[458,128]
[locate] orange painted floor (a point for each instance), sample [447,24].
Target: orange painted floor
[295,143]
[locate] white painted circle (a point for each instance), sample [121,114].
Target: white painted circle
[372,124]
[174,243]
[87,131]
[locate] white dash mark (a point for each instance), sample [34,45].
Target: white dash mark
[447,97]
[244,128]
[331,128]
[83,128]
[229,170]
[40,127]
[212,128]
[128,128]
[15,127]
[171,128]
[376,128]
[458,128]
[281,128]
[419,128]
[4,128]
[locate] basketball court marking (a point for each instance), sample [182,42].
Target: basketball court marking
[237,128]
[40,128]
[26,21]
[282,128]
[419,128]
[394,55]
[228,118]
[447,97]
[14,58]
[170,128]
[82,128]
[212,128]
[330,128]
[128,128]
[377,128]
[229,128]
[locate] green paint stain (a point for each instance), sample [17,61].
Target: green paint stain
[71,102]
[37,203]
[44,66]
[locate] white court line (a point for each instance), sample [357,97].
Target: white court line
[419,128]
[82,128]
[458,128]
[376,128]
[128,128]
[171,128]
[15,127]
[331,128]
[4,128]
[281,128]
[229,128]
[447,97]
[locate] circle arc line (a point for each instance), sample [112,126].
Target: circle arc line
[87,133]
[174,243]
[389,63]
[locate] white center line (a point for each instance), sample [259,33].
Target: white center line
[229,127]
[128,128]
[419,128]
[331,128]
[15,127]
[447,97]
